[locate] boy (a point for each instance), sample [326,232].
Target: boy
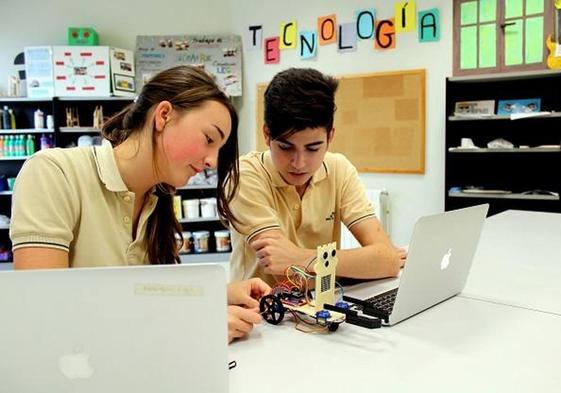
[294,196]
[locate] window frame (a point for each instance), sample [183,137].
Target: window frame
[548,23]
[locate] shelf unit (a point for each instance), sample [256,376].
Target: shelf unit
[516,170]
[85,106]
[211,224]
[24,109]
[63,136]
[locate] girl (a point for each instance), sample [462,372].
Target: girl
[112,204]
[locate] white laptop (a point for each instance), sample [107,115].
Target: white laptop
[438,262]
[123,329]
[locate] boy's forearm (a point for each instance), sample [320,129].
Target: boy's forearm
[370,262]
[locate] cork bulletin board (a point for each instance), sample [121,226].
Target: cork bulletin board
[379,122]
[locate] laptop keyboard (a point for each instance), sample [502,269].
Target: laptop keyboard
[383,301]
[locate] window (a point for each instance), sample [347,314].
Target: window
[500,35]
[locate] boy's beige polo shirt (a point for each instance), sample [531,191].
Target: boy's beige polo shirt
[265,201]
[75,200]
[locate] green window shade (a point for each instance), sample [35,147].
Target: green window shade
[468,47]
[468,13]
[534,40]
[513,8]
[487,10]
[487,45]
[534,7]
[513,43]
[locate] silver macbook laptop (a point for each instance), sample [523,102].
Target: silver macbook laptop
[124,329]
[438,262]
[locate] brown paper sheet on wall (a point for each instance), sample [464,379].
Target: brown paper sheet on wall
[379,122]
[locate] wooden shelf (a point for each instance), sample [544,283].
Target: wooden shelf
[27,131]
[198,187]
[500,117]
[81,98]
[6,266]
[86,98]
[514,150]
[206,257]
[16,158]
[505,196]
[505,76]
[78,130]
[25,99]
[199,219]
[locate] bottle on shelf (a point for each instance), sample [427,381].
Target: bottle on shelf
[8,146]
[20,146]
[30,145]
[5,118]
[39,119]
[12,119]
[50,122]
[44,142]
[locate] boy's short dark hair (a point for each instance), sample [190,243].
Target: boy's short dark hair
[299,98]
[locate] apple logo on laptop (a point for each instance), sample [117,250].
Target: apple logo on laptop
[446,260]
[76,365]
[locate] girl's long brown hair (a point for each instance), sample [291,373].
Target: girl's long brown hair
[186,88]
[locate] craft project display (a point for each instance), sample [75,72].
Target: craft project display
[81,71]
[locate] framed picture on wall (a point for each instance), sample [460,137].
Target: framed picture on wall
[123,82]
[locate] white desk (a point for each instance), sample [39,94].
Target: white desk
[461,345]
[518,261]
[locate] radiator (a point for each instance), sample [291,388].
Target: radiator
[380,200]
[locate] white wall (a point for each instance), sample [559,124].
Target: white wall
[45,22]
[39,22]
[411,195]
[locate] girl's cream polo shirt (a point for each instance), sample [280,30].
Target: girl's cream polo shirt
[75,200]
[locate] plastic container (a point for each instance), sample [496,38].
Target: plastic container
[187,246]
[85,141]
[177,207]
[200,241]
[178,241]
[12,119]
[30,145]
[222,240]
[191,208]
[208,207]
[44,142]
[6,118]
[39,119]
[50,122]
